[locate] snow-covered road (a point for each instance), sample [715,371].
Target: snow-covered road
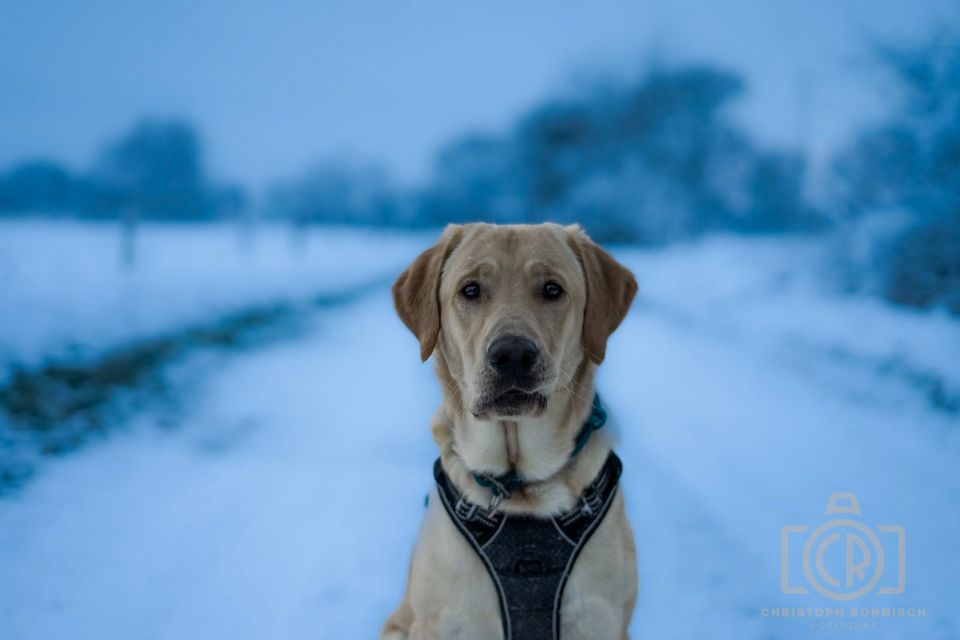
[285,502]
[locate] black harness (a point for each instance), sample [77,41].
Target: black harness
[530,558]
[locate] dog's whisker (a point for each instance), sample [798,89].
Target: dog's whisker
[572,391]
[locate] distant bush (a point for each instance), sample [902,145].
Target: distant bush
[39,186]
[154,171]
[911,163]
[336,193]
[648,161]
[925,266]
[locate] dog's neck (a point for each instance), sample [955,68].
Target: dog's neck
[538,448]
[511,440]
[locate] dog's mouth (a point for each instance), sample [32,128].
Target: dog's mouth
[514,402]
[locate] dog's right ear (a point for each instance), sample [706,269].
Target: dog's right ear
[416,293]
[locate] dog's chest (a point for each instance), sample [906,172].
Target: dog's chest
[531,559]
[528,558]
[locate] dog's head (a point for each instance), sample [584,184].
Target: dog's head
[514,310]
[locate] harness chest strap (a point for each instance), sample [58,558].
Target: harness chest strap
[529,559]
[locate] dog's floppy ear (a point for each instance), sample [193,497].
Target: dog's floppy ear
[416,293]
[610,290]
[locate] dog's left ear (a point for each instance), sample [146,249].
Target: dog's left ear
[610,290]
[416,293]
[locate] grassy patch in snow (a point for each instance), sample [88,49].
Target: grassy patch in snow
[56,407]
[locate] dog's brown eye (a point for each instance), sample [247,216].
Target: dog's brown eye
[552,291]
[470,291]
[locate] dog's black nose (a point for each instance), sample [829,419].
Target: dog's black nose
[513,356]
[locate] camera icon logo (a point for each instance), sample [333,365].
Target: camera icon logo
[843,558]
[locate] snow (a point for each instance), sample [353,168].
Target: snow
[65,295]
[285,501]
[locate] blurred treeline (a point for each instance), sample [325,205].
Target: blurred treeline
[154,171]
[649,160]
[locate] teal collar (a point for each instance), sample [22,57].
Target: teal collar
[503,486]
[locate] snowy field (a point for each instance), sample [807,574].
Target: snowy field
[284,501]
[67,292]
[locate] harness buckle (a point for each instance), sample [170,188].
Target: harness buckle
[498,491]
[495,499]
[464,509]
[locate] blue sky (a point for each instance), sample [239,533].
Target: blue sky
[274,86]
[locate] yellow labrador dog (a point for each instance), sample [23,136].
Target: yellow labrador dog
[525,535]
